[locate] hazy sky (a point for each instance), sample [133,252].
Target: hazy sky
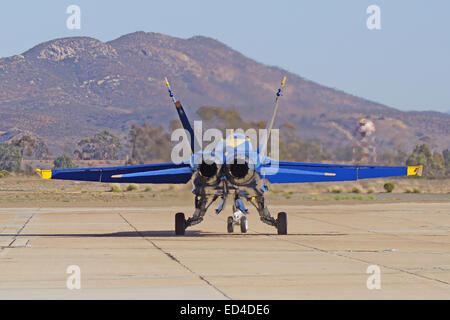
[405,65]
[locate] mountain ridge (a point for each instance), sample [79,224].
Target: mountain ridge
[69,88]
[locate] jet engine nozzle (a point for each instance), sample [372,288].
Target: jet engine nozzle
[240,171]
[209,170]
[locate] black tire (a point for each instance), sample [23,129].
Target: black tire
[230,227]
[282,223]
[180,224]
[244,224]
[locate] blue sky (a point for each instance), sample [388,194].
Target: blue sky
[405,65]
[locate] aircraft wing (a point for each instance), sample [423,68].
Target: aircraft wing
[147,173]
[295,172]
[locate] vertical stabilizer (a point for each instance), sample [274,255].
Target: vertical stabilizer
[263,145]
[183,117]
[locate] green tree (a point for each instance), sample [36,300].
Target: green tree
[25,144]
[343,153]
[10,157]
[421,156]
[30,147]
[41,151]
[438,164]
[64,161]
[102,146]
[149,143]
[392,158]
[227,119]
[294,149]
[446,155]
[433,163]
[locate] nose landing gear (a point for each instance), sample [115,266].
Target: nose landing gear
[230,225]
[244,224]
[238,218]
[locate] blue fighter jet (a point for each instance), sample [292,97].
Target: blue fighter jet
[232,168]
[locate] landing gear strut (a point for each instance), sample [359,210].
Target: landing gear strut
[201,205]
[239,215]
[280,223]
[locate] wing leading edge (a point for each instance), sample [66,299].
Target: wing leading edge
[149,173]
[297,172]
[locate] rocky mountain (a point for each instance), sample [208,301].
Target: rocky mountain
[66,89]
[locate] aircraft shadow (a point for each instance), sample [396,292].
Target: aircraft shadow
[158,234]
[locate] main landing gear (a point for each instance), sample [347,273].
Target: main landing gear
[280,223]
[180,224]
[201,205]
[239,218]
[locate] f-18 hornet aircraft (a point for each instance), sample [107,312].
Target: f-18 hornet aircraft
[232,168]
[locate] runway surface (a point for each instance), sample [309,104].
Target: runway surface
[132,253]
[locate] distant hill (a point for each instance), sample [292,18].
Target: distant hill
[66,89]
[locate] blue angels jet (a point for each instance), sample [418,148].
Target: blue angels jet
[232,169]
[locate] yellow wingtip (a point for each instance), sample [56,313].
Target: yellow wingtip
[283,82]
[415,171]
[45,174]
[117,176]
[167,82]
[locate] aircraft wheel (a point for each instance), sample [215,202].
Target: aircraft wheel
[244,224]
[230,222]
[282,223]
[180,224]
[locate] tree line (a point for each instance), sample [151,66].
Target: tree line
[147,143]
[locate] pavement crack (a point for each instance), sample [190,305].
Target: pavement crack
[21,228]
[14,238]
[364,230]
[173,258]
[335,253]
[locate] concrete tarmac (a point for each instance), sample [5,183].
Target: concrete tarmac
[132,253]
